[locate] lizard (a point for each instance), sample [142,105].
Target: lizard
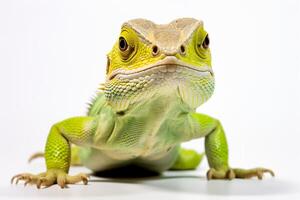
[157,75]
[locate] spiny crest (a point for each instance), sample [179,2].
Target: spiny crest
[94,98]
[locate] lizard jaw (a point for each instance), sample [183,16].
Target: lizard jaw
[168,64]
[170,76]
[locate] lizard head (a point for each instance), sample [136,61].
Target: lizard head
[150,59]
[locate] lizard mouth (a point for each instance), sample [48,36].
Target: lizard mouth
[168,64]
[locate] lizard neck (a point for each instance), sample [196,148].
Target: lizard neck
[163,102]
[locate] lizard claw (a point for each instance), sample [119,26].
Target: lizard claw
[255,172]
[51,177]
[232,173]
[25,176]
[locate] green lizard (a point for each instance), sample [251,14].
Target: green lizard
[156,77]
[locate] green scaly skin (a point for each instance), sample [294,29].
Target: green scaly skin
[156,78]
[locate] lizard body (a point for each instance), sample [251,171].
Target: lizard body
[157,75]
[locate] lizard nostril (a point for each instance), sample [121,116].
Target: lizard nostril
[182,49]
[155,50]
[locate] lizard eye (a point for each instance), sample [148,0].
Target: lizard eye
[205,43]
[123,45]
[128,44]
[126,48]
[202,43]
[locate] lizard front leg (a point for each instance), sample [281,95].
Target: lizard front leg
[77,130]
[216,150]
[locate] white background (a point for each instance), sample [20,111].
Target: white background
[53,57]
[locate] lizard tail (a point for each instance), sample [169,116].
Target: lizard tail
[35,156]
[187,159]
[75,158]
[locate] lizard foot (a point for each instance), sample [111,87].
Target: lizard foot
[51,177]
[232,173]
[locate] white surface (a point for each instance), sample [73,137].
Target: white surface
[52,58]
[172,185]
